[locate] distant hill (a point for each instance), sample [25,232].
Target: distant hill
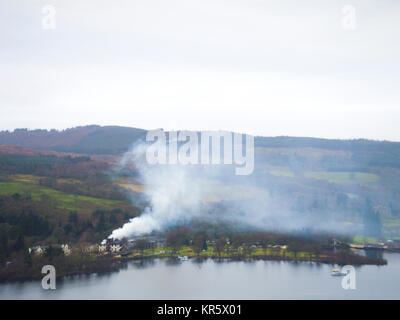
[85,140]
[331,144]
[114,140]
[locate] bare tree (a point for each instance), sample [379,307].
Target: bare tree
[141,245]
[198,244]
[219,246]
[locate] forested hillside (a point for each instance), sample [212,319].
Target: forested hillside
[51,198]
[88,139]
[116,140]
[58,186]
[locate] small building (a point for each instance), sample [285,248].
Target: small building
[39,250]
[156,243]
[110,246]
[115,247]
[66,249]
[152,242]
[89,248]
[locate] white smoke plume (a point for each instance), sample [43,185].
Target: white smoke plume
[178,193]
[173,194]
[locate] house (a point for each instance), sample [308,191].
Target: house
[156,243]
[152,242]
[39,250]
[110,246]
[90,248]
[115,247]
[66,249]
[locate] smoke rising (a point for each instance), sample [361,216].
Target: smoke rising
[170,189]
[178,193]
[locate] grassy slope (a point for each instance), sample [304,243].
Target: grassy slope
[26,185]
[339,177]
[362,178]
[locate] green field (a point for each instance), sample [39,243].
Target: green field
[343,177]
[212,252]
[59,199]
[282,172]
[362,239]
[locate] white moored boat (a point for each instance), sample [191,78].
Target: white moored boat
[337,272]
[184,258]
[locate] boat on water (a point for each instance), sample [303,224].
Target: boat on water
[337,272]
[184,258]
[357,246]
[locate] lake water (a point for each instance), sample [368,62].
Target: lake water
[167,279]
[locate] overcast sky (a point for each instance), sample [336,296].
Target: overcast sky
[256,66]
